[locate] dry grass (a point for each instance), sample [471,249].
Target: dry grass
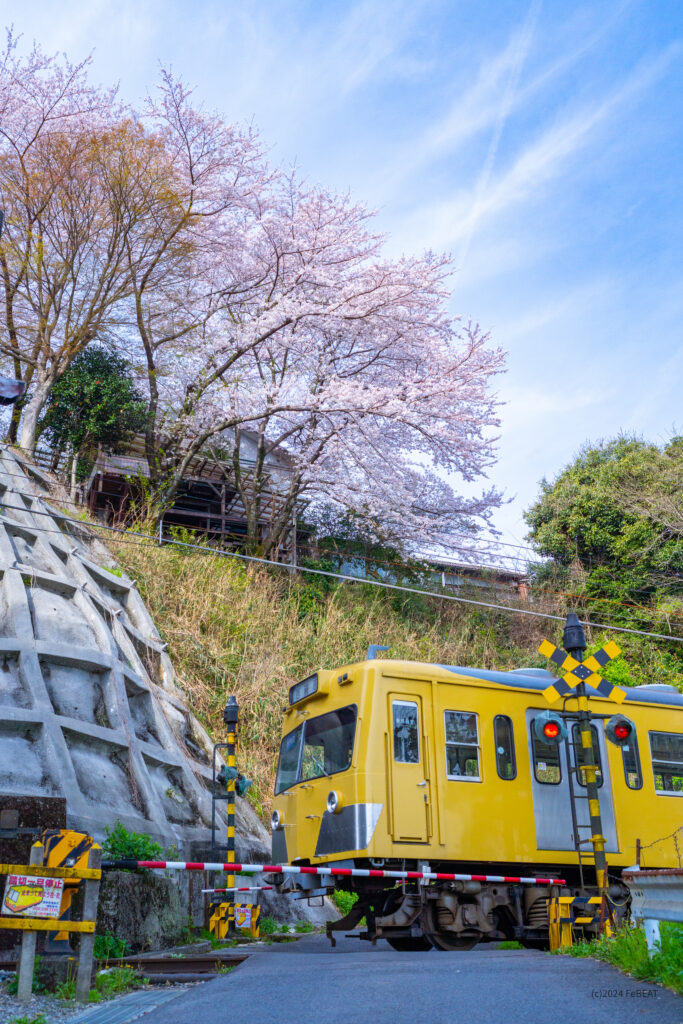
[250,631]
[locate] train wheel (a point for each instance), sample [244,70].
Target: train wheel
[444,941]
[404,943]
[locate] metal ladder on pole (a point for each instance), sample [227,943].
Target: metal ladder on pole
[584,847]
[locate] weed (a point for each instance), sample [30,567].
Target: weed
[224,968]
[116,980]
[109,947]
[121,844]
[40,1019]
[509,944]
[37,985]
[269,926]
[304,926]
[66,989]
[343,900]
[627,950]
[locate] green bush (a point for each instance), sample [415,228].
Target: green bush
[121,844]
[40,1019]
[304,926]
[109,947]
[269,926]
[343,900]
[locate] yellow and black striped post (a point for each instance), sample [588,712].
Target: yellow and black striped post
[230,717]
[575,644]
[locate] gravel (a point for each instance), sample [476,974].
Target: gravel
[55,1010]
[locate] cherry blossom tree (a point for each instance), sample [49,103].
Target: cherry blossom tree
[250,302]
[63,247]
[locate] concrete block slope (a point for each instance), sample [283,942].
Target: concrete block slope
[89,706]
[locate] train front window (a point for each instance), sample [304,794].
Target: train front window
[288,765]
[667,761]
[328,743]
[462,746]
[405,725]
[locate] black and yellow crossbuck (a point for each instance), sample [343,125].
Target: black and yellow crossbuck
[587,671]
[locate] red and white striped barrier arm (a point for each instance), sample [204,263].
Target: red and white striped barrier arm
[243,888]
[324,872]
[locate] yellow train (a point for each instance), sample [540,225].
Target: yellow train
[412,766]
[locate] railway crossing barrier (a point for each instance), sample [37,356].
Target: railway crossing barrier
[655,896]
[323,871]
[32,901]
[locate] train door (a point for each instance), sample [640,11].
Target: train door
[409,772]
[550,784]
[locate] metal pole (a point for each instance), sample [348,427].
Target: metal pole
[575,644]
[230,716]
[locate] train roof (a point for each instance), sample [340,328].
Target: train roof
[540,678]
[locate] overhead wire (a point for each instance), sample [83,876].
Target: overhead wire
[205,549]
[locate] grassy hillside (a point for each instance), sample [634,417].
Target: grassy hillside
[235,628]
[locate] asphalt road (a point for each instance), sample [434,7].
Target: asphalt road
[307,981]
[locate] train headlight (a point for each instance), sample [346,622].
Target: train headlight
[619,729]
[334,802]
[276,820]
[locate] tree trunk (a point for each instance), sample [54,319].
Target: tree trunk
[74,469]
[29,419]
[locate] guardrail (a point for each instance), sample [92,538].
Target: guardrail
[655,896]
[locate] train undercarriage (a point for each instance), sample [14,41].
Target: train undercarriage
[456,915]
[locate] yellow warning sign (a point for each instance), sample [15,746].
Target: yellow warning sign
[32,896]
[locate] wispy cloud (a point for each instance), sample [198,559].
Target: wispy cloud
[452,222]
[520,52]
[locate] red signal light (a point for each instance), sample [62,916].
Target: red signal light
[622,731]
[551,730]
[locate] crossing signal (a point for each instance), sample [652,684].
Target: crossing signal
[619,730]
[550,728]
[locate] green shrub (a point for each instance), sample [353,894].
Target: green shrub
[121,844]
[269,926]
[40,1019]
[109,947]
[304,926]
[343,900]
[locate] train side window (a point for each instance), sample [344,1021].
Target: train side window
[505,747]
[631,759]
[667,762]
[406,732]
[462,746]
[580,758]
[547,766]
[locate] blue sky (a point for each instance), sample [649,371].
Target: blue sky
[538,142]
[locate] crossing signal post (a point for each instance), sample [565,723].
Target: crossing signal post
[579,676]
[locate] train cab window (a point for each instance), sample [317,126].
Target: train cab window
[406,732]
[580,757]
[319,747]
[631,758]
[547,766]
[667,761]
[505,747]
[462,746]
[288,765]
